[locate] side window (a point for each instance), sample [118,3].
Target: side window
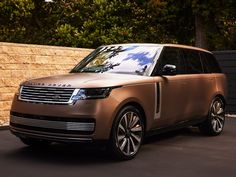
[193,62]
[211,63]
[172,56]
[205,62]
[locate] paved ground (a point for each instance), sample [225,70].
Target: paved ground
[184,153]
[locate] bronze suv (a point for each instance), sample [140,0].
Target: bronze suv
[122,93]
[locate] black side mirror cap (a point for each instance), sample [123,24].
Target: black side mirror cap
[169,70]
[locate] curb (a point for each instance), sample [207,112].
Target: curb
[230,115]
[4,127]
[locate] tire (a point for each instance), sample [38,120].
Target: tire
[214,123]
[127,134]
[35,142]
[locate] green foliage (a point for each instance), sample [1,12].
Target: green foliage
[90,23]
[216,18]
[66,35]
[14,15]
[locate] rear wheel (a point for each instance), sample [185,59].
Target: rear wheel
[35,142]
[214,123]
[127,133]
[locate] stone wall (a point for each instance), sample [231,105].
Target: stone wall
[19,62]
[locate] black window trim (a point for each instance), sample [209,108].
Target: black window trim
[204,66]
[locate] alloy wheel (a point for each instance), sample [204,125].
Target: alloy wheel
[129,133]
[217,116]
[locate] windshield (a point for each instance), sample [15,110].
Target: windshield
[127,59]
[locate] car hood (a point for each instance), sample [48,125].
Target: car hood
[88,80]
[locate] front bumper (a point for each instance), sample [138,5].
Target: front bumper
[87,120]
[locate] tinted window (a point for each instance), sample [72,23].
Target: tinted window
[193,62]
[172,56]
[210,64]
[204,62]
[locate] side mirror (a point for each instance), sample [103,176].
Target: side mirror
[169,70]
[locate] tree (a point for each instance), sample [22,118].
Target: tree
[90,23]
[14,19]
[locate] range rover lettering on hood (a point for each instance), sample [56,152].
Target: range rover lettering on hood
[47,84]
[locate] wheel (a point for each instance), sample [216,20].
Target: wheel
[35,142]
[127,133]
[214,123]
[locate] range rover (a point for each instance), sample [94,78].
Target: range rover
[122,93]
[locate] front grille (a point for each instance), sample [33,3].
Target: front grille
[46,94]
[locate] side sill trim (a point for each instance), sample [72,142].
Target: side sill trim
[176,126]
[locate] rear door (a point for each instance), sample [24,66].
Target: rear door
[199,83]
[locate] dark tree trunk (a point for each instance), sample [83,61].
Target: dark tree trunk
[200,32]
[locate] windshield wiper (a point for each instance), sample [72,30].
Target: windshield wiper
[108,67]
[98,68]
[141,71]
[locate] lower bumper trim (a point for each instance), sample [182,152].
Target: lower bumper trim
[60,125]
[22,133]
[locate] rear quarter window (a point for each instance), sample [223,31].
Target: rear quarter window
[210,64]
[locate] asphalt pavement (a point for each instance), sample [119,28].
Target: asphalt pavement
[183,153]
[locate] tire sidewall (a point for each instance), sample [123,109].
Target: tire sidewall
[115,150]
[209,120]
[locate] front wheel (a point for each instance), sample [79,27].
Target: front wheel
[127,133]
[214,123]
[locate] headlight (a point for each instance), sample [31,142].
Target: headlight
[18,90]
[91,93]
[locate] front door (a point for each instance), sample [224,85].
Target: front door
[172,89]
